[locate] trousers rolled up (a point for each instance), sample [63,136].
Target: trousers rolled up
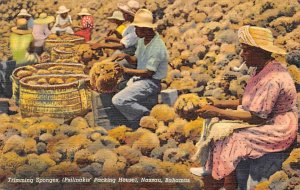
[129,101]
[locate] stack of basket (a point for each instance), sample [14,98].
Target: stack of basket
[57,90]
[54,43]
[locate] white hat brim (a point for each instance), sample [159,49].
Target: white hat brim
[84,14]
[64,11]
[146,25]
[116,18]
[24,14]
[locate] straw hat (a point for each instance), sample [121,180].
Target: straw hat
[259,37]
[131,7]
[21,27]
[117,15]
[84,11]
[62,9]
[44,19]
[24,12]
[143,18]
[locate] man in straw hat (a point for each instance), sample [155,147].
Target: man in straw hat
[267,114]
[129,38]
[41,31]
[24,14]
[87,24]
[118,19]
[151,58]
[63,22]
[21,44]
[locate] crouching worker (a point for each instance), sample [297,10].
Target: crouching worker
[151,58]
[21,44]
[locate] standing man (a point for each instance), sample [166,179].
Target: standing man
[151,58]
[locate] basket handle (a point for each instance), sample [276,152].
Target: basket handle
[81,84]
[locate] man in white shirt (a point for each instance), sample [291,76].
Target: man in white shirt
[63,22]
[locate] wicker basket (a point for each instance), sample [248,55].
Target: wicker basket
[15,79]
[65,56]
[57,101]
[51,43]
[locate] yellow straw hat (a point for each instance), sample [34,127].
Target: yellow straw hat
[259,37]
[143,18]
[44,19]
[21,27]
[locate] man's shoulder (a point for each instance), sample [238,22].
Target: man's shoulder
[159,44]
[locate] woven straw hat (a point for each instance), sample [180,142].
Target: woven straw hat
[24,12]
[62,9]
[21,27]
[44,19]
[84,11]
[143,18]
[259,37]
[117,15]
[131,7]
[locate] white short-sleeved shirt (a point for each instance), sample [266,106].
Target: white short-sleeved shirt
[153,56]
[129,37]
[60,21]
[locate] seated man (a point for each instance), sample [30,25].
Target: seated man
[127,42]
[87,25]
[63,22]
[151,58]
[118,19]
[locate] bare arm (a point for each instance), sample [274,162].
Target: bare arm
[209,111]
[136,72]
[112,39]
[108,46]
[231,104]
[131,59]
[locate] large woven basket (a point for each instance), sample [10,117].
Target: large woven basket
[51,43]
[64,56]
[15,79]
[57,101]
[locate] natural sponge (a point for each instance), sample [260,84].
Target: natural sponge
[105,76]
[163,112]
[187,104]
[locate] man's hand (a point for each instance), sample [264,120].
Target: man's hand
[97,46]
[212,101]
[119,68]
[208,111]
[119,57]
